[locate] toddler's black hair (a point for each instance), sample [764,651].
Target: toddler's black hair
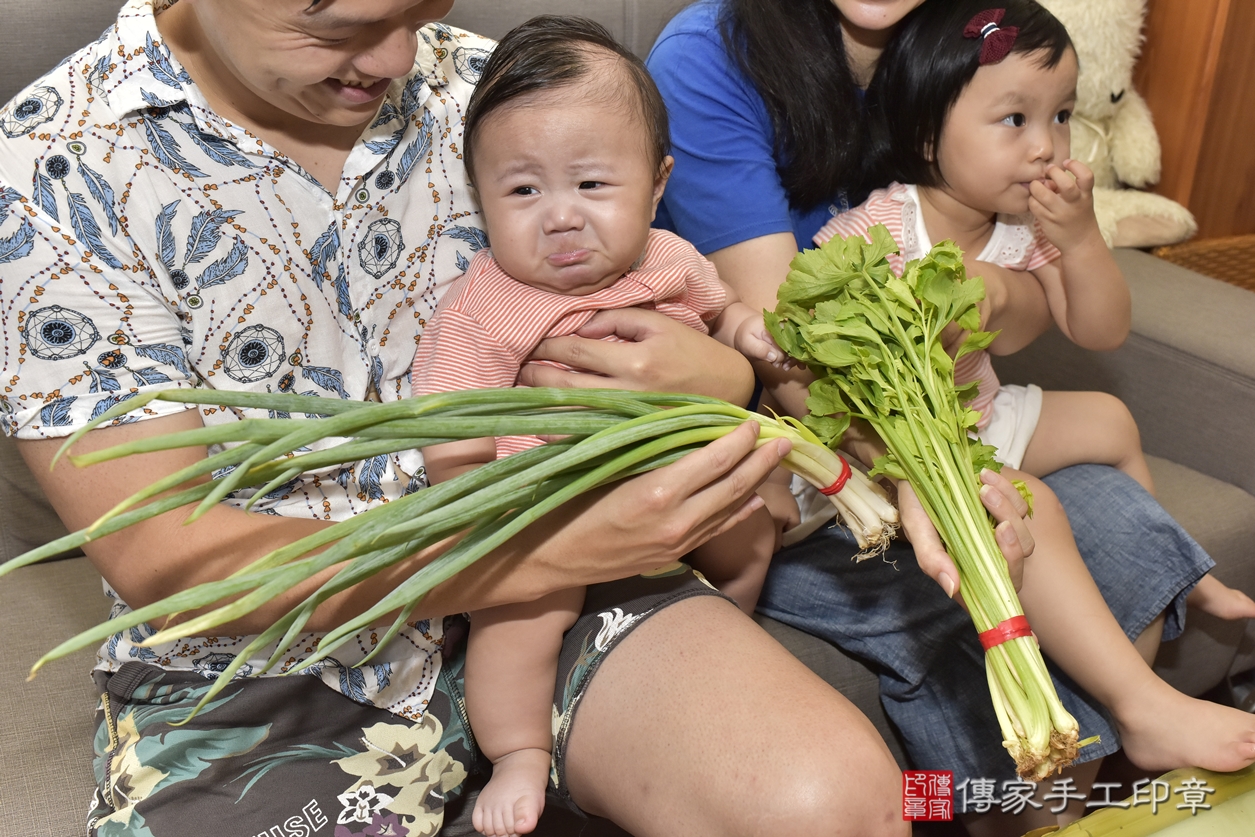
[550,52]
[925,68]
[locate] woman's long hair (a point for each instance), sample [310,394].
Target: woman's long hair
[794,55]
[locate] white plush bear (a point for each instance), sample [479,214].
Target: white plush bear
[1112,131]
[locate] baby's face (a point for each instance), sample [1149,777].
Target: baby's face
[567,188]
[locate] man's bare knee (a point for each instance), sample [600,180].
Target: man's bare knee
[821,795]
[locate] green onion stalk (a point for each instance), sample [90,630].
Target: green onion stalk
[606,435]
[874,342]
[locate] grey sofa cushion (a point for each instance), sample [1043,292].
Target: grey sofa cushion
[26,519]
[46,724]
[36,34]
[634,24]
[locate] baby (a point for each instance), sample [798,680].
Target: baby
[986,157]
[566,144]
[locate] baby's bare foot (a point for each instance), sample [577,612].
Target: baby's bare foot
[1210,596]
[511,802]
[1163,729]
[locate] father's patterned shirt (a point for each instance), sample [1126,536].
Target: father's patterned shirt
[146,242]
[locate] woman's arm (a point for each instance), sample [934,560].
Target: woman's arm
[755,269]
[631,527]
[1006,505]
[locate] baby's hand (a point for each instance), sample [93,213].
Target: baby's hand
[1064,205]
[754,341]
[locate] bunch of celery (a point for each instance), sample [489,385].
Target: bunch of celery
[608,435]
[874,343]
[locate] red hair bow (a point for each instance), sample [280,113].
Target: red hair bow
[998,40]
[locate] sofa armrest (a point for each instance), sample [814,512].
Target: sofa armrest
[1187,371]
[27,520]
[46,725]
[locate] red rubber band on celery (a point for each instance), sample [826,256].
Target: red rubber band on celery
[840,481]
[1013,628]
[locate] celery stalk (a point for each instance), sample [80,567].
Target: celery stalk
[873,342]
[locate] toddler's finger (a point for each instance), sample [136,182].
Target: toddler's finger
[1045,194]
[1065,183]
[1083,174]
[1045,184]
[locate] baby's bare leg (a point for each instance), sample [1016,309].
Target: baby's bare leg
[736,562]
[511,665]
[1086,427]
[1161,728]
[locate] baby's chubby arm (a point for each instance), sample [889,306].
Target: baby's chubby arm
[1088,297]
[741,327]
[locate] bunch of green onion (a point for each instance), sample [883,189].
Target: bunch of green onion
[874,343]
[606,435]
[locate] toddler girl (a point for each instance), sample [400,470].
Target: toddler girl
[566,143]
[973,106]
[980,131]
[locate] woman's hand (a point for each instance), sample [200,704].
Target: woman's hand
[660,355]
[1004,503]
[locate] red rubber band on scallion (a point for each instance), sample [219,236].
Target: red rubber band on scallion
[1013,628]
[840,481]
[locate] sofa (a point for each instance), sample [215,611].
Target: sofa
[1187,373]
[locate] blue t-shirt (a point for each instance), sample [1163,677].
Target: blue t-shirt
[725,188]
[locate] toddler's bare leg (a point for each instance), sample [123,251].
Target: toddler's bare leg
[1161,728]
[736,562]
[1079,427]
[511,665]
[1211,596]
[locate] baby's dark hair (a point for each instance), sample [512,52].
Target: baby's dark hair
[925,68]
[550,52]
